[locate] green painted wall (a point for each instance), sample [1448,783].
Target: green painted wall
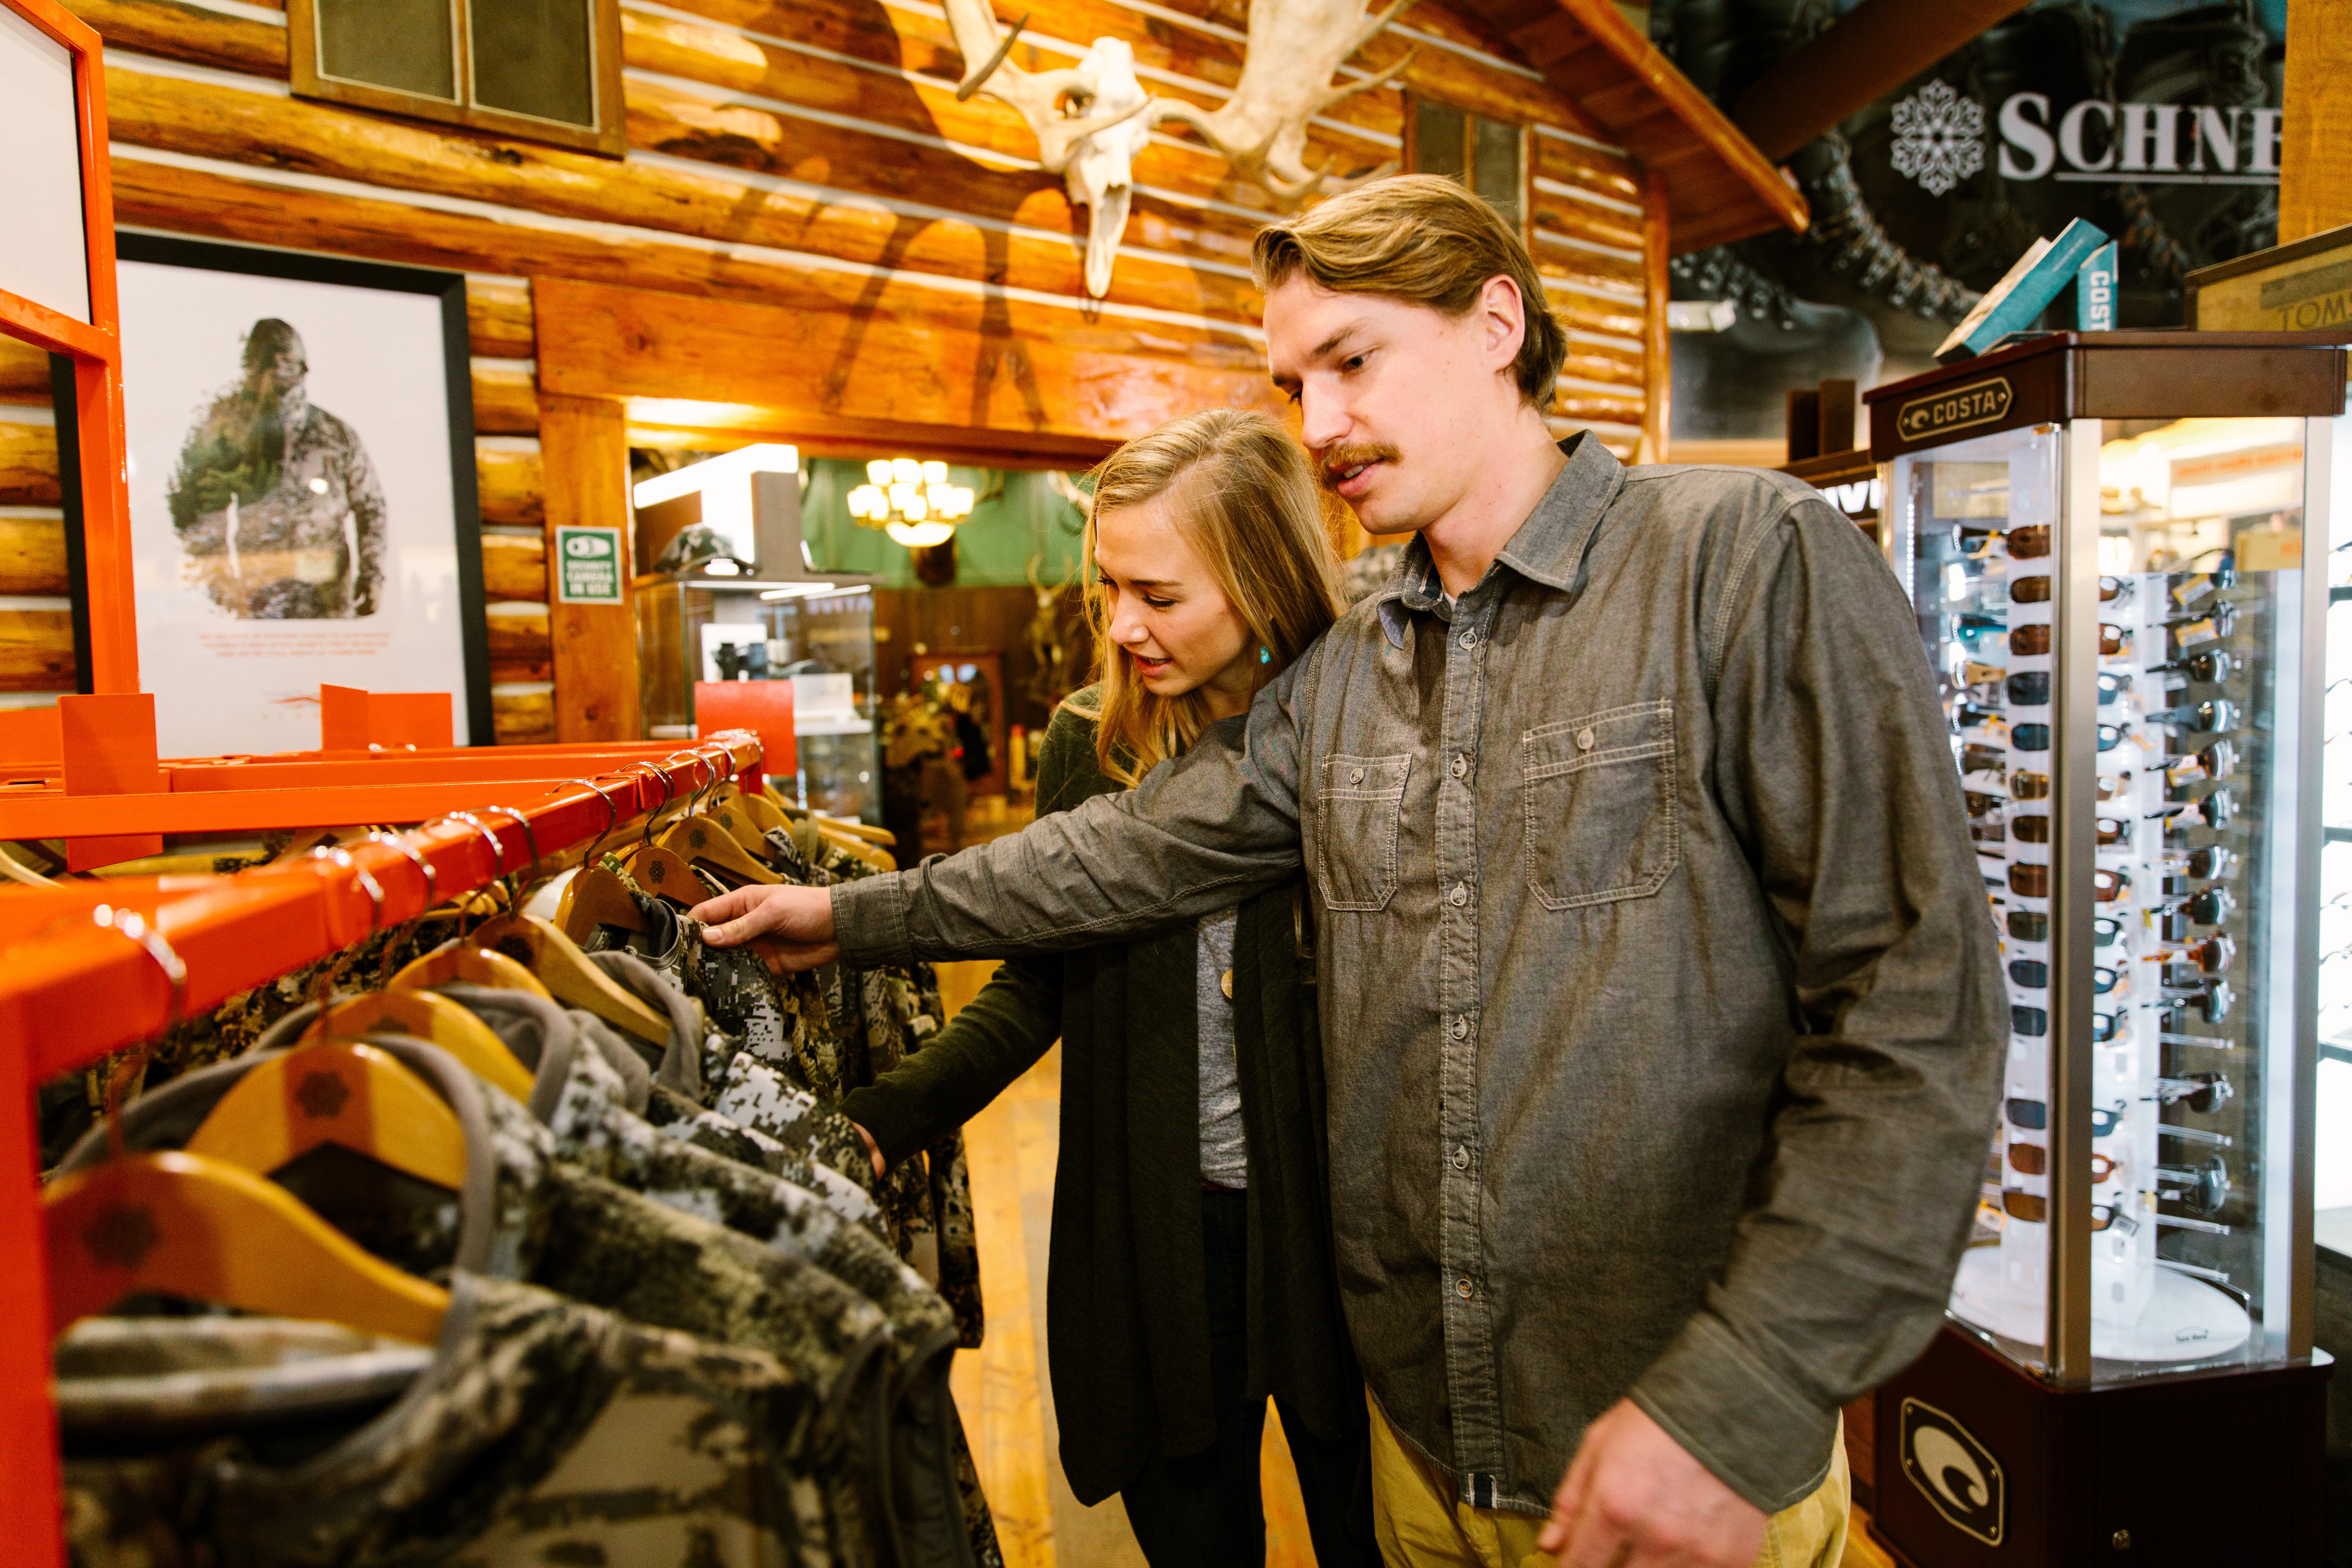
[995,545]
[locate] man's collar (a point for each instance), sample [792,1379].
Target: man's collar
[1549,547]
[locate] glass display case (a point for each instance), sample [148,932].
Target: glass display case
[2103,538]
[693,626]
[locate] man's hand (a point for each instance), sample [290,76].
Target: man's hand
[1633,1497]
[789,928]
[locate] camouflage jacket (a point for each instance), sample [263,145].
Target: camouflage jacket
[537,1429]
[524,1214]
[589,1091]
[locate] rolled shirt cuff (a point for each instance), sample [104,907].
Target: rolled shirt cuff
[869,921]
[1760,1435]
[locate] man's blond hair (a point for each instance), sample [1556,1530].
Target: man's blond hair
[1423,239]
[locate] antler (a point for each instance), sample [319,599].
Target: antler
[1036,95]
[1294,45]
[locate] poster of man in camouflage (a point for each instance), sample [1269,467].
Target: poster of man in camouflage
[276,506]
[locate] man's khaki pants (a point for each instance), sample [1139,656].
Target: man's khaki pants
[1421,1522]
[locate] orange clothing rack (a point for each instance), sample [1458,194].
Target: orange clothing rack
[81,980]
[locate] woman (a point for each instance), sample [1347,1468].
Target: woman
[1190,1274]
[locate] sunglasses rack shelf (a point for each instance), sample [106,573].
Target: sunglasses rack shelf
[2185,649]
[94,966]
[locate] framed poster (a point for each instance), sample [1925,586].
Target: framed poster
[303,494]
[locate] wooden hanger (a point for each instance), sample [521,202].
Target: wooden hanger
[729,808]
[765,815]
[184,1224]
[558,962]
[16,871]
[340,1092]
[704,842]
[866,830]
[470,963]
[665,873]
[597,896]
[434,1018]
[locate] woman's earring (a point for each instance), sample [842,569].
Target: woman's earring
[1265,654]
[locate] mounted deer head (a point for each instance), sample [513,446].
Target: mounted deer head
[1091,119]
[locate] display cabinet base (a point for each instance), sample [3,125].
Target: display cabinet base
[1981,1465]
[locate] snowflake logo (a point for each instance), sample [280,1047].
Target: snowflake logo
[1938,137]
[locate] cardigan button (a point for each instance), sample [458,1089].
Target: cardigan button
[1584,739]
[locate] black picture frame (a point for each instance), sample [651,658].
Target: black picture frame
[449,289]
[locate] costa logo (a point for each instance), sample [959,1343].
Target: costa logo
[1954,1472]
[1955,408]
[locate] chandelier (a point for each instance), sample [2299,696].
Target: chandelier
[911,502]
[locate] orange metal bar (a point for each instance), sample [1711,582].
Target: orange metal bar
[29,1453]
[73,989]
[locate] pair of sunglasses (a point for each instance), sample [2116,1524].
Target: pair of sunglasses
[2213,1000]
[2211,956]
[2212,907]
[2033,1208]
[2035,829]
[2032,881]
[2036,590]
[2217,762]
[2034,1022]
[2211,666]
[2030,689]
[2036,737]
[2218,713]
[1978,758]
[2033,925]
[2034,1160]
[2031,642]
[2212,863]
[2034,975]
[2220,624]
[2033,1115]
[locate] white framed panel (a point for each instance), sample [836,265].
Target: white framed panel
[45,257]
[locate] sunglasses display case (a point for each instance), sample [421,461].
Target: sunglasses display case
[2113,543]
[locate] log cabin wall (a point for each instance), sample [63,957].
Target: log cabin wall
[810,239]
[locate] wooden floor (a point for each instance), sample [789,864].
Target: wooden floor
[1001,1389]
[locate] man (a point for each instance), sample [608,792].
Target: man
[274,501]
[1662,1012]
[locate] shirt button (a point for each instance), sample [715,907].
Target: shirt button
[1461,1158]
[1461,766]
[1459,896]
[1469,639]
[1462,1288]
[1584,739]
[1356,775]
[1461,1028]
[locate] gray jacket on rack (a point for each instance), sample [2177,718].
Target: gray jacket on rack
[1662,1019]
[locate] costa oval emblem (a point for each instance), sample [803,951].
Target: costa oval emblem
[1957,1474]
[1952,408]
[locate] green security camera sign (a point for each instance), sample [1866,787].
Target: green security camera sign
[588,565]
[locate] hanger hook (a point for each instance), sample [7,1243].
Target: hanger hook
[425,868]
[332,973]
[612,820]
[669,793]
[132,924]
[531,839]
[498,852]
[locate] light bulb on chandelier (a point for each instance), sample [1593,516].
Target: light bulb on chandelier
[911,502]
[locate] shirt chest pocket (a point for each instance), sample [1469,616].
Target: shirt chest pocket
[1599,800]
[1362,807]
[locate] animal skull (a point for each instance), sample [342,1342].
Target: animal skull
[1100,175]
[1091,119]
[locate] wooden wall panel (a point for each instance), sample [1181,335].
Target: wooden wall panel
[594,646]
[29,464]
[499,319]
[24,373]
[514,566]
[1020,380]
[33,557]
[512,490]
[36,650]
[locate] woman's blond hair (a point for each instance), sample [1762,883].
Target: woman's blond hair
[1243,498]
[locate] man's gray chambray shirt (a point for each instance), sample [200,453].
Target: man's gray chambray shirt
[1661,1011]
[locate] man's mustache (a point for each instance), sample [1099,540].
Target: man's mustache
[1333,461]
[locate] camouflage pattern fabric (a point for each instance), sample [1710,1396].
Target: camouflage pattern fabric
[527,1215]
[914,1447]
[543,1431]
